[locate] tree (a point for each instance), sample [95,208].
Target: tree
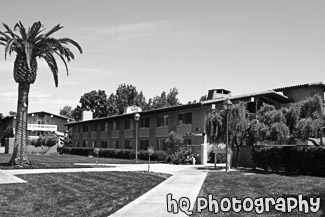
[7,133]
[174,140]
[76,113]
[29,44]
[239,127]
[66,111]
[12,113]
[95,101]
[166,100]
[215,130]
[46,142]
[172,99]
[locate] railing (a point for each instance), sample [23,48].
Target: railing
[115,134]
[183,129]
[42,127]
[144,132]
[85,136]
[128,133]
[103,134]
[162,131]
[93,135]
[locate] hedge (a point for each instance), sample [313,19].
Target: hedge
[119,154]
[307,160]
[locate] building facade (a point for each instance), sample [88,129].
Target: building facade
[119,132]
[37,123]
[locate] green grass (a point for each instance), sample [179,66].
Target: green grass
[62,161]
[255,185]
[74,194]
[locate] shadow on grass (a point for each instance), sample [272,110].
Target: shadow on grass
[211,168]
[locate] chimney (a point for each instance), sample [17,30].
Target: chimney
[218,94]
[86,115]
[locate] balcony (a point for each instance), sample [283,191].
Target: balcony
[183,129]
[103,134]
[115,134]
[42,127]
[162,131]
[128,133]
[144,132]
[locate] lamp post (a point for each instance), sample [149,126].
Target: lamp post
[227,105]
[136,118]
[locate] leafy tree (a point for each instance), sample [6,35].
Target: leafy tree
[66,111]
[7,133]
[29,44]
[127,95]
[174,140]
[166,100]
[203,98]
[76,113]
[172,99]
[46,142]
[95,101]
[12,113]
[239,127]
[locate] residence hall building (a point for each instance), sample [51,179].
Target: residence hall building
[37,123]
[118,132]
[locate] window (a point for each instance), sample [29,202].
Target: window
[77,143]
[144,123]
[161,145]
[185,118]
[77,129]
[84,143]
[116,125]
[103,144]
[103,126]
[116,144]
[162,120]
[187,141]
[40,115]
[94,144]
[85,128]
[94,128]
[127,124]
[144,144]
[127,144]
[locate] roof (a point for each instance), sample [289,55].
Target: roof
[60,116]
[270,94]
[316,84]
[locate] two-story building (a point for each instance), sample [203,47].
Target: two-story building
[37,123]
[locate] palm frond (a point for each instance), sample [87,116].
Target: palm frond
[53,30]
[68,40]
[49,58]
[10,31]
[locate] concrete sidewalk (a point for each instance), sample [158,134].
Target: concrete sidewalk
[7,178]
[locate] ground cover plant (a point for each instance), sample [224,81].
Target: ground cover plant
[62,161]
[75,194]
[255,185]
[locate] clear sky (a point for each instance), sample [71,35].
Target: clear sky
[193,45]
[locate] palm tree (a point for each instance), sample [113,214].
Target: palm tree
[29,45]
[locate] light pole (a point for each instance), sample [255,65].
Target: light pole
[227,105]
[136,118]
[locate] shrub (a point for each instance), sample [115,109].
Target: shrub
[221,157]
[309,160]
[182,156]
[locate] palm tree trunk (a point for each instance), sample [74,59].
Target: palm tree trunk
[19,155]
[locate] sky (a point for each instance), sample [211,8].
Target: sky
[155,45]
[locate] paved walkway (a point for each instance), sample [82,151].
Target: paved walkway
[185,182]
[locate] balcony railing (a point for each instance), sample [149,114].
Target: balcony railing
[144,132]
[162,131]
[128,133]
[183,129]
[115,134]
[42,127]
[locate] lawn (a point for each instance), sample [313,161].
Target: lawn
[74,194]
[62,161]
[256,185]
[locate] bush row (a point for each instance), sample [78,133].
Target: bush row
[119,154]
[307,160]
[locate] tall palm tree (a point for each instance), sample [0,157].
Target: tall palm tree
[29,45]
